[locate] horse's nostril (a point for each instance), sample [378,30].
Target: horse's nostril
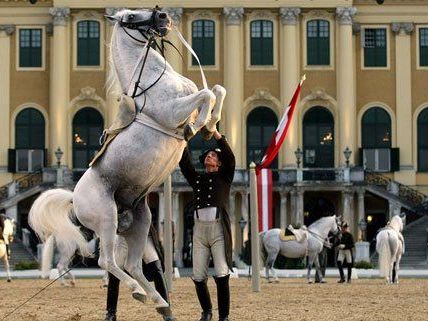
[131,17]
[162,15]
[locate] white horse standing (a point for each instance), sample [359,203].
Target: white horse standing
[310,246]
[390,247]
[140,158]
[65,254]
[7,233]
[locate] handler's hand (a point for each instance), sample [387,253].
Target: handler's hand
[217,135]
[341,246]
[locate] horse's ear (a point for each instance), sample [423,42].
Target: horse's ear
[111,18]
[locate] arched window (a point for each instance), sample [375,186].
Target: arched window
[203,41]
[261,124]
[318,42]
[376,128]
[29,142]
[88,43]
[318,138]
[376,153]
[88,126]
[261,42]
[423,141]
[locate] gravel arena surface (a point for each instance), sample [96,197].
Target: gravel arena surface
[291,299]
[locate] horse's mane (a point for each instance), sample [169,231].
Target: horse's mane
[112,84]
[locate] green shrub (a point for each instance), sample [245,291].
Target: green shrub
[27,265]
[364,265]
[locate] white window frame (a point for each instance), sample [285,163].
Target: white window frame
[89,16]
[204,15]
[418,57]
[30,168]
[376,160]
[318,15]
[261,15]
[388,46]
[43,53]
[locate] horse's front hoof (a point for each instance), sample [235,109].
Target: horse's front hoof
[9,280]
[139,296]
[160,302]
[206,134]
[310,281]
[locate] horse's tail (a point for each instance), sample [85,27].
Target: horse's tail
[384,251]
[52,214]
[48,250]
[263,252]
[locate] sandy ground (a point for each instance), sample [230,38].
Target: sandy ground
[291,299]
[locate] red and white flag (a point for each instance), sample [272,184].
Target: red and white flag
[264,175]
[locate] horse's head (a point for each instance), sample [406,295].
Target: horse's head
[337,223]
[143,22]
[397,222]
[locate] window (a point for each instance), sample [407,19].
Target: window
[376,128]
[318,138]
[423,47]
[261,42]
[30,48]
[423,141]
[88,126]
[261,124]
[203,41]
[88,43]
[375,47]
[29,153]
[318,42]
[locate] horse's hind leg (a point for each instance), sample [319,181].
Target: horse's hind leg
[136,238]
[311,259]
[6,264]
[96,209]
[270,261]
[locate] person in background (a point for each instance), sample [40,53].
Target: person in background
[345,246]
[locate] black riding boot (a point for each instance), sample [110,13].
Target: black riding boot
[349,272]
[342,276]
[112,297]
[204,300]
[394,272]
[223,297]
[156,271]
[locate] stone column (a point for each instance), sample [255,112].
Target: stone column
[346,96]
[172,55]
[5,32]
[233,226]
[394,209]
[289,75]
[347,205]
[244,213]
[283,209]
[403,80]
[293,209]
[234,80]
[299,206]
[59,95]
[361,211]
[112,92]
[178,230]
[161,215]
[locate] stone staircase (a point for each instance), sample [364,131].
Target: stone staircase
[19,254]
[415,236]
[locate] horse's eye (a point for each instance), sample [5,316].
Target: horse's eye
[131,17]
[162,15]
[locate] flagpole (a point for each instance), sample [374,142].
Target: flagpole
[255,246]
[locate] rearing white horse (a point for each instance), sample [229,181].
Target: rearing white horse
[140,158]
[310,246]
[390,247]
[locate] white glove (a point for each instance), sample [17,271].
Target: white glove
[341,246]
